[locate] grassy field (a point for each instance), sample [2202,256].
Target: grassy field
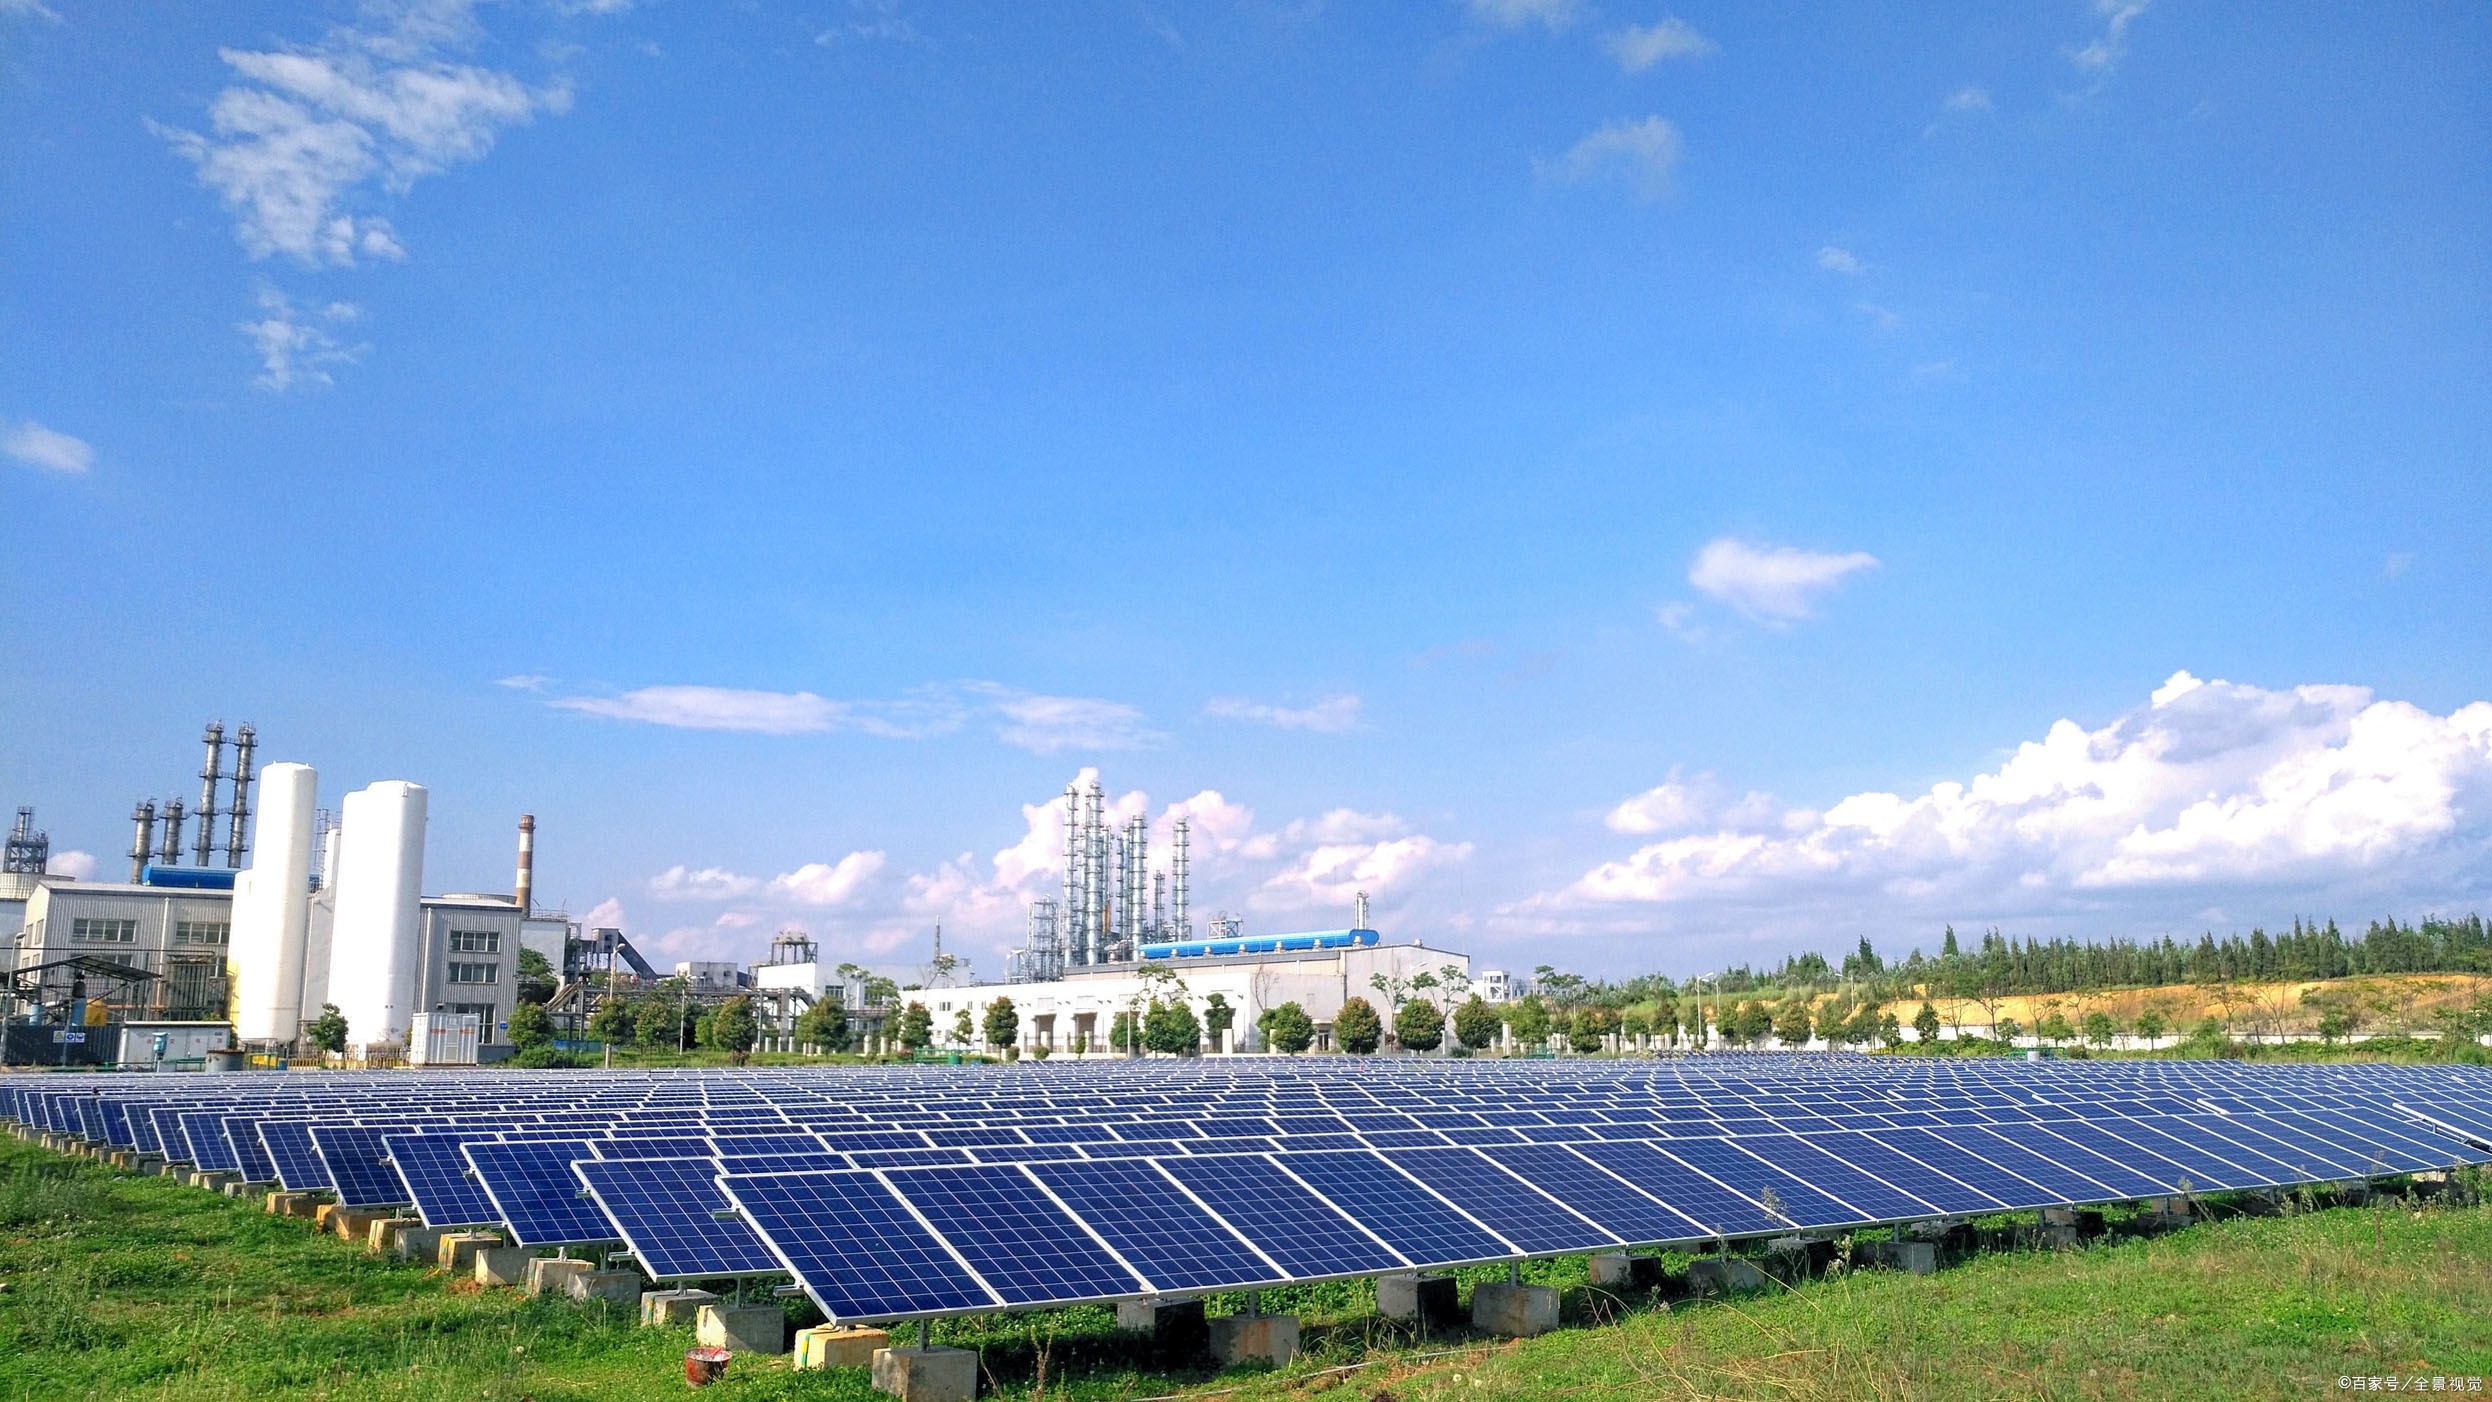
[120,1287]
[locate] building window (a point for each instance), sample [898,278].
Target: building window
[482,1012]
[100,931]
[475,941]
[202,932]
[475,973]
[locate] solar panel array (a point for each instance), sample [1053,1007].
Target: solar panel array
[905,1192]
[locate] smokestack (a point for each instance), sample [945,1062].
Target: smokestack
[527,862]
[1178,928]
[214,770]
[170,852]
[237,840]
[142,838]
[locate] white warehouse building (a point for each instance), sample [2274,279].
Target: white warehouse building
[1319,971]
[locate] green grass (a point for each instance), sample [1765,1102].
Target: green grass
[121,1287]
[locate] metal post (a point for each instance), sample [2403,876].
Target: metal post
[925,1335]
[1514,1272]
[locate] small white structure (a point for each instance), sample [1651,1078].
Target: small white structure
[373,945]
[443,1039]
[1498,986]
[711,975]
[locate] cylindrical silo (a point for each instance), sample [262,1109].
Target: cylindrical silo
[373,943]
[272,906]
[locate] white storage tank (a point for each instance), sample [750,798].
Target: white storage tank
[272,908]
[374,938]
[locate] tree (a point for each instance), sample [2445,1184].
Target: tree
[916,1027]
[2054,1027]
[612,1023]
[1287,1028]
[1755,1020]
[1218,1018]
[2099,1028]
[734,1027]
[1529,1021]
[1792,1024]
[1635,1027]
[1475,1023]
[1890,1032]
[1583,1030]
[2151,1026]
[1357,1028]
[1925,1023]
[964,1025]
[1124,1035]
[1666,1019]
[1394,987]
[1420,1025]
[1003,1024]
[825,1025]
[536,982]
[1862,1027]
[655,1024]
[530,1027]
[1170,1027]
[328,1031]
[2007,1030]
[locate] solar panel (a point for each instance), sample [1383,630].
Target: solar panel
[242,1135]
[297,1161]
[444,1189]
[668,1212]
[1407,1217]
[1508,1205]
[1013,1235]
[855,1247]
[358,1162]
[536,1196]
[1586,1187]
[1694,1194]
[1165,1235]
[209,1149]
[1297,1230]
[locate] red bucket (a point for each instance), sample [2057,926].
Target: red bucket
[703,1366]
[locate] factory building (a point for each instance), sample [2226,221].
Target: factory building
[265,946]
[1317,970]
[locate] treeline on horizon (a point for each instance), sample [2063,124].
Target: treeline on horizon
[2003,966]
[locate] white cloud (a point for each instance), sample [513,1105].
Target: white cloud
[1679,616]
[1045,725]
[29,9]
[1330,716]
[2212,790]
[876,19]
[1838,260]
[2397,563]
[2098,56]
[76,865]
[1771,583]
[817,884]
[1514,14]
[1969,100]
[679,883]
[1640,154]
[1640,46]
[297,348]
[296,147]
[53,451]
[713,708]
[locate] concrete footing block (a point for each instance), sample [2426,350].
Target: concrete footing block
[660,1308]
[617,1288]
[355,1224]
[927,1374]
[835,1346]
[146,1165]
[381,1239]
[212,1179]
[324,1216]
[1516,1311]
[122,1158]
[1915,1257]
[1616,1270]
[1253,1338]
[417,1242]
[742,1328]
[282,1204]
[552,1274]
[503,1265]
[456,1252]
[2086,1221]
[1722,1275]
[174,1169]
[1420,1297]
[244,1191]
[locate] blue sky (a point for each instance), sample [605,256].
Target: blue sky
[1631,487]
